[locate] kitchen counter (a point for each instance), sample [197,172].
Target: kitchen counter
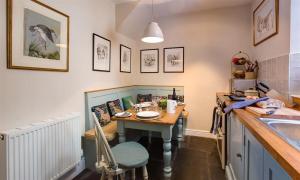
[286,155]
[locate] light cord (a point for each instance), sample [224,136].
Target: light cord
[152,11]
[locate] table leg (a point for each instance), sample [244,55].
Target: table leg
[184,127]
[167,135]
[179,137]
[121,131]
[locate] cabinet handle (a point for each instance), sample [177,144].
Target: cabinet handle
[270,174]
[239,155]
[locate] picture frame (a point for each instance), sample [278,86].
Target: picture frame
[101,53]
[265,21]
[174,60]
[149,60]
[44,43]
[125,59]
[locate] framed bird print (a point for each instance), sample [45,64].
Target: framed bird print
[149,61]
[38,36]
[125,59]
[101,53]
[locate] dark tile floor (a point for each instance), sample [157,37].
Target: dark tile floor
[196,160]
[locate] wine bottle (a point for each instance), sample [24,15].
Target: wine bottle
[174,97]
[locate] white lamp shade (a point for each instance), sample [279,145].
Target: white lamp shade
[153,34]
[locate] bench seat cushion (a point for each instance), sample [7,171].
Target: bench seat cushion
[110,131]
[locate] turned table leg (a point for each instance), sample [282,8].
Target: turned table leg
[167,135]
[180,131]
[121,131]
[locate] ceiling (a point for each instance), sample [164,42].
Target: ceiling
[137,13]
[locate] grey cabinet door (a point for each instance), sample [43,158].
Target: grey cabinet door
[272,170]
[236,158]
[254,152]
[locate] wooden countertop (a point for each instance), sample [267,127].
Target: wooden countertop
[165,119]
[286,155]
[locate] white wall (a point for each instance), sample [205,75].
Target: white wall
[29,96]
[210,39]
[279,44]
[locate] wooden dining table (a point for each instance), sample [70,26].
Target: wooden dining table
[164,124]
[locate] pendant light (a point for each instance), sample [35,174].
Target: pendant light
[153,33]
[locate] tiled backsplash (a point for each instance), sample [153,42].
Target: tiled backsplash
[275,73]
[295,74]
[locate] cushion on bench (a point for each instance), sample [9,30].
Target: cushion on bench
[144,98]
[102,114]
[127,102]
[114,107]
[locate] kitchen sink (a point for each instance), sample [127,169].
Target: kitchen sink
[289,130]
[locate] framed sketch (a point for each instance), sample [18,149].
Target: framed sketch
[125,59]
[265,21]
[37,37]
[174,60]
[149,61]
[101,53]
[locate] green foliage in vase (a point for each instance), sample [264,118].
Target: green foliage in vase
[163,103]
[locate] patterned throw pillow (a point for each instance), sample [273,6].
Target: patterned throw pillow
[127,102]
[144,98]
[180,98]
[102,114]
[114,107]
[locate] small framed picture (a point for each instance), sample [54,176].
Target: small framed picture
[125,59]
[101,53]
[149,61]
[265,21]
[37,37]
[174,60]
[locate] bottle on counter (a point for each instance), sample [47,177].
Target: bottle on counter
[174,97]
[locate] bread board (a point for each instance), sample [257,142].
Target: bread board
[263,112]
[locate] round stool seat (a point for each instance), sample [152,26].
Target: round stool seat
[130,155]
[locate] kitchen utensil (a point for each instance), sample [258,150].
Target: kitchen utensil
[261,87]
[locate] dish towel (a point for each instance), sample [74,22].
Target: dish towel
[239,105]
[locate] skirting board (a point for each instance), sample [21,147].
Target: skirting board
[75,171]
[199,133]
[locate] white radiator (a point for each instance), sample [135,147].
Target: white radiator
[41,151]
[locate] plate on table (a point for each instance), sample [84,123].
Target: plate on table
[123,114]
[147,114]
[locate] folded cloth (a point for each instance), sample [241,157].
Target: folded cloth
[242,104]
